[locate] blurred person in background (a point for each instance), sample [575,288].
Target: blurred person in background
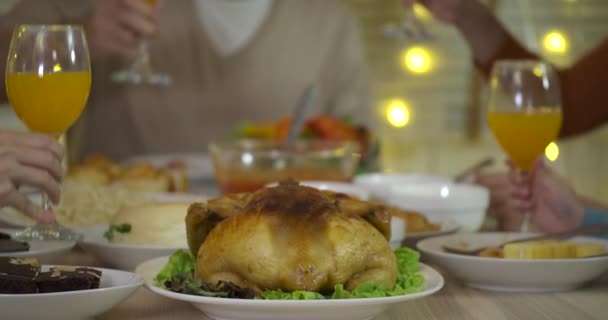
[230,61]
[584,87]
[29,160]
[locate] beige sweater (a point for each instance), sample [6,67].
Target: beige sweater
[301,42]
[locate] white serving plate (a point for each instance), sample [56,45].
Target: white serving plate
[339,309]
[115,287]
[117,255]
[199,165]
[509,274]
[47,252]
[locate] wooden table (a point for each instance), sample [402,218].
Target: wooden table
[453,302]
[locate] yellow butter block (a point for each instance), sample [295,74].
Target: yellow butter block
[563,250]
[589,249]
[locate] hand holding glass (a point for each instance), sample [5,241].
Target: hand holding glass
[48,79]
[524,110]
[141,71]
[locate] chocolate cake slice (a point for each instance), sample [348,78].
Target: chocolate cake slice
[66,278]
[17,275]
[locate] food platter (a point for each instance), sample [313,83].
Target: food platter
[351,309]
[118,255]
[511,275]
[114,288]
[447,226]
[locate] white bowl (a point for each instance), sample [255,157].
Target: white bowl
[466,204]
[254,309]
[378,184]
[115,287]
[509,274]
[117,255]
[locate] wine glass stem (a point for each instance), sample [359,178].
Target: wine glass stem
[141,64]
[525,223]
[47,205]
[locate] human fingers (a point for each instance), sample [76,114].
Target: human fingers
[34,177]
[32,140]
[20,202]
[138,17]
[40,159]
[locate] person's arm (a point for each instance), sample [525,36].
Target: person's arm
[583,93]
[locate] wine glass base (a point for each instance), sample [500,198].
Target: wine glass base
[136,78]
[47,232]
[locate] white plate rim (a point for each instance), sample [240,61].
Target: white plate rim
[285,303]
[61,247]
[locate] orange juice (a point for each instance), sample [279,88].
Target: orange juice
[50,103]
[524,136]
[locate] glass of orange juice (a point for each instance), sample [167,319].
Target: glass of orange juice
[140,71]
[524,110]
[48,79]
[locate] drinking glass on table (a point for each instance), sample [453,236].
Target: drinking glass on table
[141,71]
[524,111]
[48,79]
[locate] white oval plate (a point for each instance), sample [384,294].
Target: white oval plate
[117,255]
[199,165]
[47,252]
[509,274]
[115,287]
[351,309]
[12,218]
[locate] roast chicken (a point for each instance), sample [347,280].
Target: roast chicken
[291,237]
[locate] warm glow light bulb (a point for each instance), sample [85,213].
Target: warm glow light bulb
[417,60]
[398,113]
[556,42]
[552,151]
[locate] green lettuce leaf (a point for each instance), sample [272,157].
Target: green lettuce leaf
[178,273]
[180,262]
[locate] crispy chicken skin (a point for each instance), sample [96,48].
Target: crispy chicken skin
[289,237]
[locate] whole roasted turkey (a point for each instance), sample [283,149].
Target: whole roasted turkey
[291,237]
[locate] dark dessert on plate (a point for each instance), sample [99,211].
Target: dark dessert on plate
[17,275]
[24,275]
[65,278]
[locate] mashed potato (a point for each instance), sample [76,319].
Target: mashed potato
[160,224]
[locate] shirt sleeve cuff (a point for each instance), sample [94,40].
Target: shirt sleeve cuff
[594,216]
